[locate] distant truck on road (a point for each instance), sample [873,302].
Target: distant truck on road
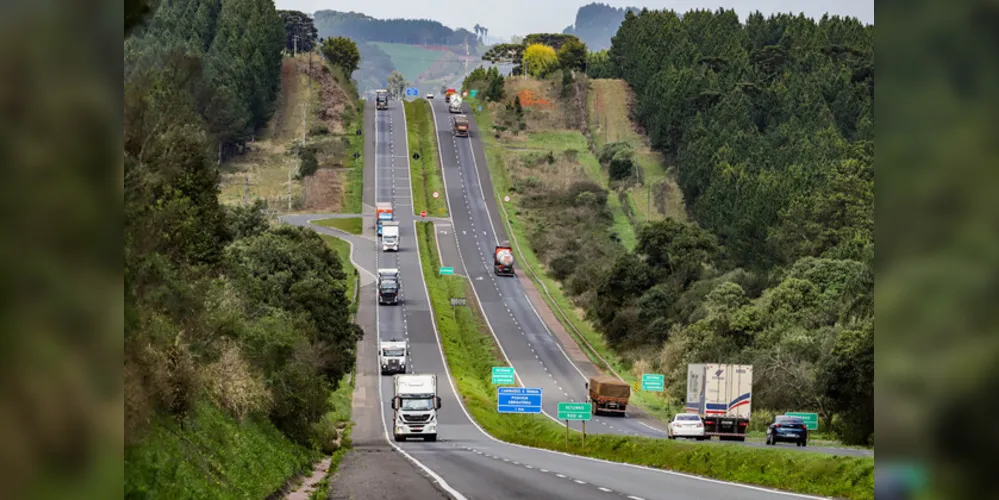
[503,260]
[390,236]
[415,403]
[381,99]
[383,212]
[454,105]
[460,126]
[722,395]
[450,94]
[608,395]
[392,356]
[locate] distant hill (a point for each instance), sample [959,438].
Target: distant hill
[596,23]
[363,28]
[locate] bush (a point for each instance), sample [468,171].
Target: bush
[319,129]
[232,384]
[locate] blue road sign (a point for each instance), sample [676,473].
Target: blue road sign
[412,91]
[480,108]
[518,400]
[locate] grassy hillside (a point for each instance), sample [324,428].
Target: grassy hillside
[327,113]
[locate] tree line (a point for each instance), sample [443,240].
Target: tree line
[363,28]
[769,125]
[219,306]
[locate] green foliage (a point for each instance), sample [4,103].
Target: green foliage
[426,171]
[599,65]
[619,159]
[300,32]
[352,225]
[572,55]
[539,59]
[469,352]
[396,84]
[247,221]
[341,52]
[307,162]
[489,83]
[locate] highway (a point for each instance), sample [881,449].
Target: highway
[466,462]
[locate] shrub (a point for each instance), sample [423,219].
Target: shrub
[231,383]
[319,129]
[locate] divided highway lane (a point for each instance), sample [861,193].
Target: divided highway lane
[532,349]
[469,463]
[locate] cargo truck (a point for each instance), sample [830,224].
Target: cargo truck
[454,105]
[414,407]
[722,395]
[450,94]
[392,356]
[390,236]
[381,99]
[459,126]
[383,212]
[608,395]
[388,286]
[503,260]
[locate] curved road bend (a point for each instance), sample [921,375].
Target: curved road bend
[469,463]
[537,355]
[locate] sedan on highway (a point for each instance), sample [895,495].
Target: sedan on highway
[787,429]
[688,425]
[430,96]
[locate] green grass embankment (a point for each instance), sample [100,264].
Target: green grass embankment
[471,354]
[212,455]
[352,203]
[426,171]
[352,225]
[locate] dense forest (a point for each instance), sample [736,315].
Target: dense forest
[770,128]
[220,308]
[596,23]
[362,28]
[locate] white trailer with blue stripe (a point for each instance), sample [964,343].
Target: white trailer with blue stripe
[722,394]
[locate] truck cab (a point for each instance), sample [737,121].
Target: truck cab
[388,286]
[415,403]
[381,99]
[383,212]
[392,356]
[390,236]
[503,260]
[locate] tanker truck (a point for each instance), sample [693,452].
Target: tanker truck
[454,106]
[503,260]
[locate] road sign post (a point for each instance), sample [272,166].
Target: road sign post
[653,382]
[518,400]
[811,420]
[575,411]
[503,375]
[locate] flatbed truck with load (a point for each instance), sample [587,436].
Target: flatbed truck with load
[459,126]
[503,260]
[722,395]
[414,407]
[608,395]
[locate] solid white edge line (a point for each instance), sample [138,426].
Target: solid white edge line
[499,344]
[581,457]
[381,407]
[350,256]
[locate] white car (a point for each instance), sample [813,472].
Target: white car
[686,425]
[430,96]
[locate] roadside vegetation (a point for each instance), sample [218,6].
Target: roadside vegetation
[425,171]
[352,225]
[774,158]
[236,332]
[471,353]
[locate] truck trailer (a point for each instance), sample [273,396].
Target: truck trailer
[459,126]
[390,236]
[722,395]
[383,212]
[414,407]
[608,395]
[503,260]
[381,99]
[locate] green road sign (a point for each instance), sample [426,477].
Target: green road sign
[811,419]
[653,382]
[473,92]
[503,375]
[575,411]
[447,271]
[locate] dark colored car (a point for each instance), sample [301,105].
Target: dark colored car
[787,429]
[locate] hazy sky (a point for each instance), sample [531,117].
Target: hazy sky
[521,17]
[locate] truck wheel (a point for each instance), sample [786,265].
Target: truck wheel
[432,438]
[399,438]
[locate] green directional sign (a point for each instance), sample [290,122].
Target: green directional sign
[811,419]
[653,382]
[575,411]
[447,271]
[473,92]
[503,375]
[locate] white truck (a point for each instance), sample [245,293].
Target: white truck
[388,286]
[454,105]
[390,236]
[392,356]
[415,403]
[722,395]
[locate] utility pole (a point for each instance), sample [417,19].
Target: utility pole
[294,44]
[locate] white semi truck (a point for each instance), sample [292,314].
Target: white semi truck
[392,356]
[454,105]
[390,236]
[722,395]
[415,403]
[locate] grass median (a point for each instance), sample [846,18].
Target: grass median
[426,170]
[471,354]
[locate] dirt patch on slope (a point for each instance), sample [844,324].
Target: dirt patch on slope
[324,190]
